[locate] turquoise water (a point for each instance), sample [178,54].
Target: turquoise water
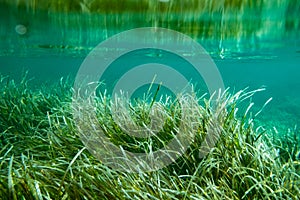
[252,47]
[60,144]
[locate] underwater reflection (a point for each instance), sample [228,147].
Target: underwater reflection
[243,25]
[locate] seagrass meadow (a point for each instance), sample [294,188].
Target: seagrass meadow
[255,46]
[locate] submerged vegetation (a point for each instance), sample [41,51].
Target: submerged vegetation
[42,156]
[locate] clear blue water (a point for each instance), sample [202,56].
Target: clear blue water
[251,48]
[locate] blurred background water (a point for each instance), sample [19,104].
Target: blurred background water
[254,43]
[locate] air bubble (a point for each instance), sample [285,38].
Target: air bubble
[21,29]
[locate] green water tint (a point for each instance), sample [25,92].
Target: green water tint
[254,44]
[250,41]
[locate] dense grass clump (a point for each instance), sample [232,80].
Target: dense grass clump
[42,156]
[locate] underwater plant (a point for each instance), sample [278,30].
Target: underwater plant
[43,157]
